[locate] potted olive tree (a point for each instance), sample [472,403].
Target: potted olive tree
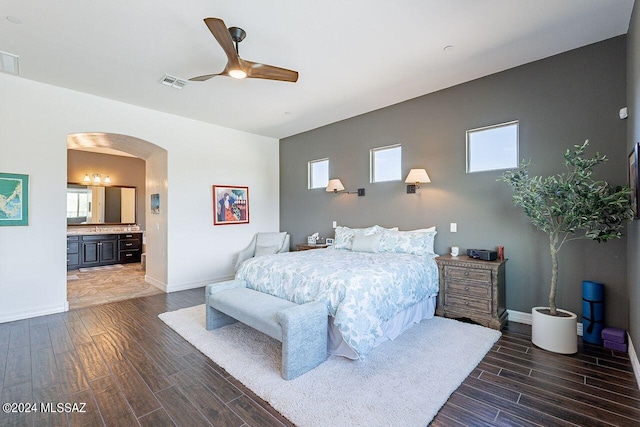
[568,206]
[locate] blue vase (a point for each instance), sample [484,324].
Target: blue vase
[592,311]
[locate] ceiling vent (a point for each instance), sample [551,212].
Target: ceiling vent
[173,82]
[9,63]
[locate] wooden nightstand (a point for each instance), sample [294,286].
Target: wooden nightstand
[472,288]
[306,247]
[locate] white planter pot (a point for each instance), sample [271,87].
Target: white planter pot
[554,333]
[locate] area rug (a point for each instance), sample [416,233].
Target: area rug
[401,382]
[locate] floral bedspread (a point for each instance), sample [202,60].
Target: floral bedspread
[362,290]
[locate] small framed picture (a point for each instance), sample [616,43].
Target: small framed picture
[155,204]
[230,205]
[329,241]
[14,199]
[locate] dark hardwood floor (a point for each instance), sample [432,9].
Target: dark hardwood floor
[123,366]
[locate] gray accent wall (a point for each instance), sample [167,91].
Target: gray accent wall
[633,137]
[559,101]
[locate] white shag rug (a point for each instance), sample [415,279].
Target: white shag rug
[401,382]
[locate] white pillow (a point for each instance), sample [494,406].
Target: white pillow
[362,243]
[266,250]
[344,235]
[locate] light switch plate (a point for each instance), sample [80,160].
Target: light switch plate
[454,227]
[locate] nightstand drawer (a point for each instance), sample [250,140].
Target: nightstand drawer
[482,306]
[468,289]
[468,273]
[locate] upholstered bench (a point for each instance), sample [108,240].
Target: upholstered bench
[301,328]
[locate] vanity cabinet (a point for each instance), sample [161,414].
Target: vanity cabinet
[73,252]
[91,250]
[129,247]
[98,249]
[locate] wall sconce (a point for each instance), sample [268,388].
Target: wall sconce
[415,178]
[335,185]
[97,179]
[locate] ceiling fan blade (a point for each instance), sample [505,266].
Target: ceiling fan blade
[202,78]
[221,34]
[262,71]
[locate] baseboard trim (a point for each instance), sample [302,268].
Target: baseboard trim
[521,317]
[157,283]
[633,356]
[27,314]
[198,284]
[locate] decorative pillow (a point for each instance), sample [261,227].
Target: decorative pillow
[343,238]
[344,235]
[362,243]
[266,250]
[429,240]
[409,242]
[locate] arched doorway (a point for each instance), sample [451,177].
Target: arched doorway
[154,182]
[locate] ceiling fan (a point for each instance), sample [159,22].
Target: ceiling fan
[237,67]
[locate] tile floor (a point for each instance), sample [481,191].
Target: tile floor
[92,287]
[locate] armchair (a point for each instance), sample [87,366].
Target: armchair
[264,244]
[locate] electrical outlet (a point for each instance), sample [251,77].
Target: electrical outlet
[454,227]
[335,224]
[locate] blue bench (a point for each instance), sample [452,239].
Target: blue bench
[301,328]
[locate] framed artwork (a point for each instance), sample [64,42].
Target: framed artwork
[155,203]
[230,205]
[633,178]
[14,199]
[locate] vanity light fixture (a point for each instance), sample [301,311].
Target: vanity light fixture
[335,186]
[96,178]
[415,178]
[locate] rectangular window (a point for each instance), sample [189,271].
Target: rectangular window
[77,203]
[318,173]
[492,147]
[386,164]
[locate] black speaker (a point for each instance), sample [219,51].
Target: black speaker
[483,254]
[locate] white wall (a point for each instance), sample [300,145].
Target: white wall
[35,120]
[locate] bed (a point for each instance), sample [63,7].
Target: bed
[373,290]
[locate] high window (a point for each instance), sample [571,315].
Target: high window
[386,163]
[492,147]
[318,173]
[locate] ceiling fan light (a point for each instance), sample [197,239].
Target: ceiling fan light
[237,74]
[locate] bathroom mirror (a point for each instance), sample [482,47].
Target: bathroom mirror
[88,204]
